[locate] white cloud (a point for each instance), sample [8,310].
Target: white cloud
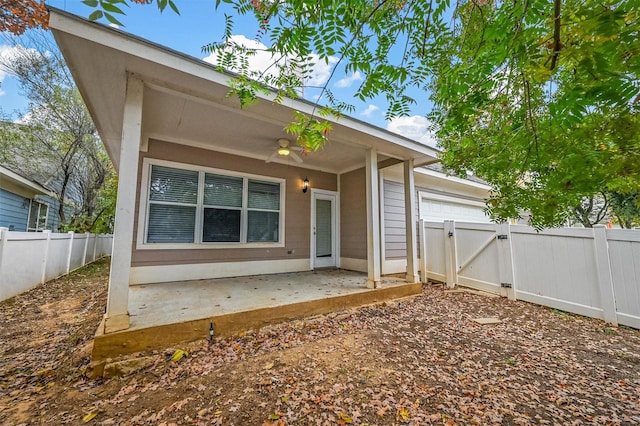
[370,110]
[321,70]
[263,60]
[414,127]
[349,80]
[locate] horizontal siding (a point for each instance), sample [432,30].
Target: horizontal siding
[297,210]
[394,222]
[14,211]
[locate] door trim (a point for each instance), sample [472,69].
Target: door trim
[335,232]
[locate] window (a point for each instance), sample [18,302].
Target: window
[38,214]
[202,207]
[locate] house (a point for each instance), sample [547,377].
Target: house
[439,197]
[210,190]
[25,205]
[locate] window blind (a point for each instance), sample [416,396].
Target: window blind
[263,226]
[264,195]
[171,223]
[222,190]
[173,185]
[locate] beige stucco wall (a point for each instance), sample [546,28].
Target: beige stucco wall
[297,208]
[353,214]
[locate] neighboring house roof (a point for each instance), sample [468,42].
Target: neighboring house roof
[438,168]
[185,101]
[18,184]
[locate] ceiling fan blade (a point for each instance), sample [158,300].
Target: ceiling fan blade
[295,157]
[271,157]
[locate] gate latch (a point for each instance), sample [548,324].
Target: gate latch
[502,236]
[505,285]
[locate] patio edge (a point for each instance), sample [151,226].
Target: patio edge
[129,341]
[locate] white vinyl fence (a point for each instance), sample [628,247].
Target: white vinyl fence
[30,258]
[592,272]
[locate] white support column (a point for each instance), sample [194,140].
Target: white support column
[373,219]
[605,281]
[117,315]
[505,260]
[45,259]
[71,235]
[423,253]
[450,254]
[410,222]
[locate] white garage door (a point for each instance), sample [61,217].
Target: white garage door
[435,207]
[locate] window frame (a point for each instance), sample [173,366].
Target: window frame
[38,228]
[145,202]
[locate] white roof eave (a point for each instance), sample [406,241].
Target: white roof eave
[155,55]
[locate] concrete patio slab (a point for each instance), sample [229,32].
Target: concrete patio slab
[166,314]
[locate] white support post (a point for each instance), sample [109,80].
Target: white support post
[71,235]
[605,281]
[505,260]
[86,247]
[45,258]
[410,222]
[373,219]
[450,254]
[423,253]
[117,315]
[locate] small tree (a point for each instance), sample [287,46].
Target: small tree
[626,208]
[56,140]
[591,210]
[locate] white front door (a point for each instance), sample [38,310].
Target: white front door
[323,229]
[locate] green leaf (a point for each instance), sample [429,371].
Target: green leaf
[95,15]
[111,8]
[91,3]
[174,7]
[112,19]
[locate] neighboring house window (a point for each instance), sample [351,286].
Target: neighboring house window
[203,207]
[38,214]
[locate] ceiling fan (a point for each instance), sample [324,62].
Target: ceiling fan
[285,150]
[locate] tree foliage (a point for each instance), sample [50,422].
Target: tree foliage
[17,16]
[540,98]
[55,141]
[626,208]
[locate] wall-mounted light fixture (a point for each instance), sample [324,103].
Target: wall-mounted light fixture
[305,185]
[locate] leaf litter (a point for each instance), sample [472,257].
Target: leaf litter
[415,361]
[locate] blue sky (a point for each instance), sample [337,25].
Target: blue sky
[198,24]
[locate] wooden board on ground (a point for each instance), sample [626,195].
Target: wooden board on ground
[485,321]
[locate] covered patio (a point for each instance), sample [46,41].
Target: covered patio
[236,304]
[206,192]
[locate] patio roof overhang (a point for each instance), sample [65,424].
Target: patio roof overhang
[185,101]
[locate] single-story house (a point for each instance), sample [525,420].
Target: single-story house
[211,190]
[25,205]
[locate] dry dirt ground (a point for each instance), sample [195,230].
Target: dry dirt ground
[417,361]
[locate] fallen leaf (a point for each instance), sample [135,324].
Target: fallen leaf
[89,416]
[178,355]
[404,414]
